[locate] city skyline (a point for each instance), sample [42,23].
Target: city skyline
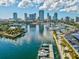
[39,29]
[21,15]
[8,7]
[41,16]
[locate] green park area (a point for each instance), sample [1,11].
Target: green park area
[8,32]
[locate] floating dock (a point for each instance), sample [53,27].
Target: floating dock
[45,52]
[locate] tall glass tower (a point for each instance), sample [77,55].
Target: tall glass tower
[41,15]
[55,17]
[32,16]
[48,16]
[15,16]
[25,16]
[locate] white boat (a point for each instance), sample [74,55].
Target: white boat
[45,51]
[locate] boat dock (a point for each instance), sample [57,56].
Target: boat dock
[45,52]
[51,52]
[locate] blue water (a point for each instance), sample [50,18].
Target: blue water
[25,47]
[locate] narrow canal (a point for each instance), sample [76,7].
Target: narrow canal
[27,46]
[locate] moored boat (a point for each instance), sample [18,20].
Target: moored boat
[44,51]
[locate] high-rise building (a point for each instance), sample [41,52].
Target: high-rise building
[77,19]
[72,20]
[48,16]
[32,16]
[25,16]
[41,15]
[67,18]
[15,16]
[55,17]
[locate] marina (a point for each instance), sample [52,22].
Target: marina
[39,42]
[45,52]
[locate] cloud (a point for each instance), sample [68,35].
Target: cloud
[37,1]
[24,3]
[61,5]
[52,5]
[6,2]
[71,9]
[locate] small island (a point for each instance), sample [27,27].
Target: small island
[10,31]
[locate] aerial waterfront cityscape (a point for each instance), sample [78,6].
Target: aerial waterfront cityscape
[36,29]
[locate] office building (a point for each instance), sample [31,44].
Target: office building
[15,16]
[25,16]
[32,16]
[67,18]
[77,19]
[41,15]
[48,16]
[55,17]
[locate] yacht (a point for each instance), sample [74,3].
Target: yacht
[45,51]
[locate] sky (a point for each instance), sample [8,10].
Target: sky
[62,7]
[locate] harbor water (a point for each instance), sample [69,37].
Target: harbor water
[25,47]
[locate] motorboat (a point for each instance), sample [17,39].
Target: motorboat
[44,51]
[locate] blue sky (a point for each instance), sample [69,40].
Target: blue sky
[33,6]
